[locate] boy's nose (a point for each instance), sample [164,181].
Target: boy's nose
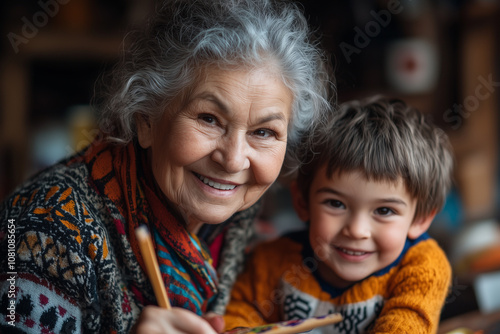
[357,227]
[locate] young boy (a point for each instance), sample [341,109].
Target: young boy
[374,178]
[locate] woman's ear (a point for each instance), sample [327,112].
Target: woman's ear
[144,131]
[299,202]
[421,225]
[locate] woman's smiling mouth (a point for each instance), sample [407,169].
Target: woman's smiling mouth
[214,184]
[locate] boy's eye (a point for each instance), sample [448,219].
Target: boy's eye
[384,211]
[335,203]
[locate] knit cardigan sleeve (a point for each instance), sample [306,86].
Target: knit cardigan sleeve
[64,278]
[417,292]
[52,272]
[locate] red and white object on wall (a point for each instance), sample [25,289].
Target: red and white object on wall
[412,66]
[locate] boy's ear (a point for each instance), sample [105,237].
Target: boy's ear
[144,131]
[299,202]
[421,225]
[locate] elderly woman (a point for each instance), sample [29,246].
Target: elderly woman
[198,118]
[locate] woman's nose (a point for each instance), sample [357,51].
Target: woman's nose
[357,227]
[232,153]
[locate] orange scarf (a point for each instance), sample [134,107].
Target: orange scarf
[122,174]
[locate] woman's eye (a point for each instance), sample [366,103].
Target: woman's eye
[264,133]
[208,118]
[384,211]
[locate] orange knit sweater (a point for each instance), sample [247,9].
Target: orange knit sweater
[279,283]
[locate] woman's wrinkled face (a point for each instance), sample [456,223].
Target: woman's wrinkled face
[223,147]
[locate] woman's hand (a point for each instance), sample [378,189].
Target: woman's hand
[156,320]
[216,321]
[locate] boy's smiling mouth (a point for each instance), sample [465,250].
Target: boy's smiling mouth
[351,252]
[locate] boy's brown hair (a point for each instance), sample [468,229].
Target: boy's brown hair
[384,139]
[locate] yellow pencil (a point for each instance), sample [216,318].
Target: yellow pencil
[152,268]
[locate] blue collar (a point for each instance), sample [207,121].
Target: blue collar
[302,237]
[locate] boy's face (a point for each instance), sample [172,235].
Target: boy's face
[357,227]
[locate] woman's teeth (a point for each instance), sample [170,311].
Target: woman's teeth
[216,185]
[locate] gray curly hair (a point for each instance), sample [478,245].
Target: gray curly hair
[164,60]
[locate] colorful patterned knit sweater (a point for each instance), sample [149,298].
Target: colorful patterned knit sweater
[279,283]
[73,267]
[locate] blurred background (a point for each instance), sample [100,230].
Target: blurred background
[439,56]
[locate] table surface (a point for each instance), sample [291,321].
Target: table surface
[473,320]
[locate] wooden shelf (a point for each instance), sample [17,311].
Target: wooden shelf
[16,85]
[60,44]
